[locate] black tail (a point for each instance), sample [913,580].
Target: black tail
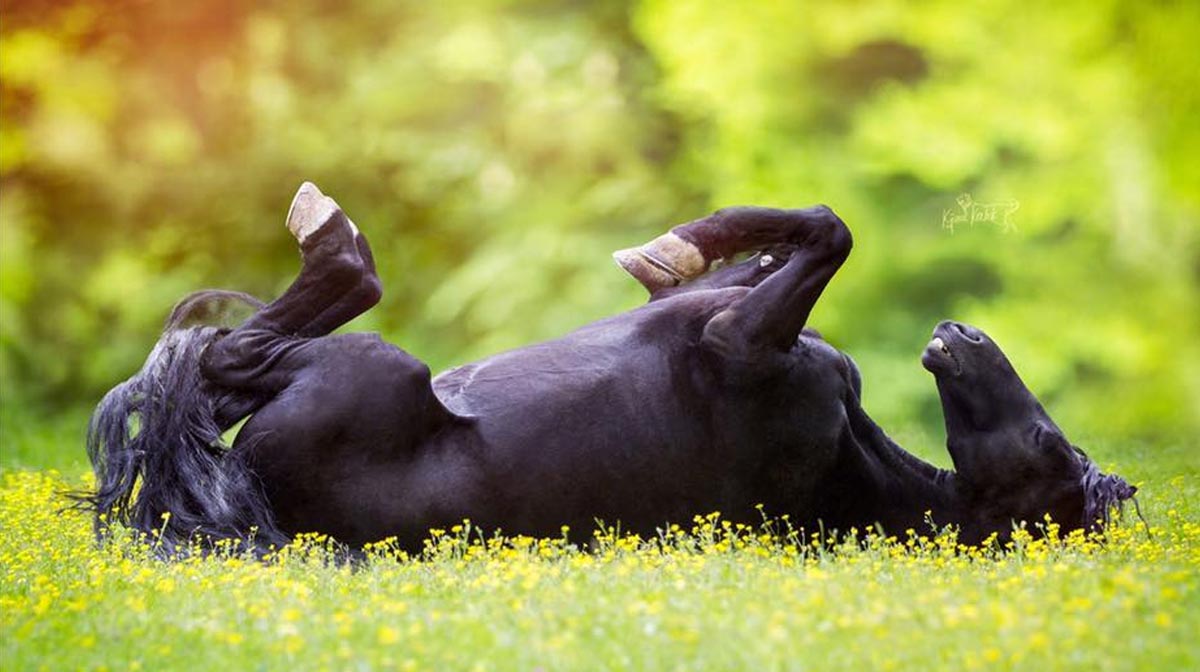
[156,450]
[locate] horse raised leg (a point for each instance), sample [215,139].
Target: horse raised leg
[687,251]
[772,315]
[337,282]
[747,273]
[770,318]
[327,404]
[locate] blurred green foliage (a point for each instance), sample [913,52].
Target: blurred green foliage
[496,152]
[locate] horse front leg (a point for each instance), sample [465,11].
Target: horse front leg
[771,316]
[748,273]
[688,250]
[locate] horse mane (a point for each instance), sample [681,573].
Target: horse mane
[160,464]
[1102,493]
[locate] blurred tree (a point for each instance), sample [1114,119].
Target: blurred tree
[496,152]
[1081,112]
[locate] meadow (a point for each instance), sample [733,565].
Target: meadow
[705,596]
[496,153]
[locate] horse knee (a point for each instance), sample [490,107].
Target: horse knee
[370,290]
[828,234]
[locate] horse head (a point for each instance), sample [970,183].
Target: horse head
[1013,462]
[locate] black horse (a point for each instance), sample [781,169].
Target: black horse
[712,397]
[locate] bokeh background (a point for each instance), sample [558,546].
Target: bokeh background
[497,152]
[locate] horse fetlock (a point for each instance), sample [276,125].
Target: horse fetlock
[666,261]
[370,289]
[775,257]
[345,269]
[311,211]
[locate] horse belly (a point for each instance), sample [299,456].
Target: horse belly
[603,447]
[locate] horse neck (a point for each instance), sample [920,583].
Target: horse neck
[899,490]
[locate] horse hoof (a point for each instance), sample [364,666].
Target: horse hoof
[310,211]
[663,262]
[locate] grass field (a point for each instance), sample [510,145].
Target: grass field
[705,598]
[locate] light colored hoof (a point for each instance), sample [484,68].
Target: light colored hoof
[664,262]
[653,276]
[310,211]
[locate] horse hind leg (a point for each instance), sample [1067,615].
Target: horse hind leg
[356,411]
[353,303]
[336,283]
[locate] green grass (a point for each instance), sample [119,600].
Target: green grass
[704,599]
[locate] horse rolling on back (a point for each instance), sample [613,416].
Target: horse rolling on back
[714,396]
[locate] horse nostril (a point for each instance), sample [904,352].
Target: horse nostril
[968,332]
